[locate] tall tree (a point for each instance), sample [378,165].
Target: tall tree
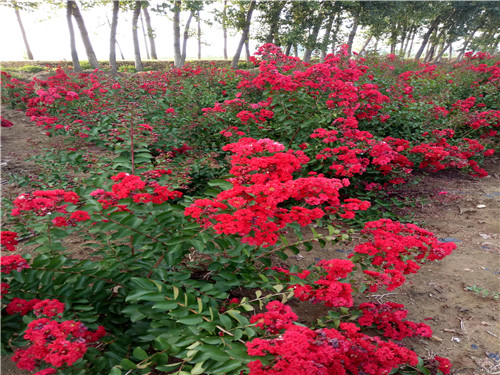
[244,34]
[269,18]
[224,28]
[74,53]
[144,36]
[312,38]
[186,36]
[151,34]
[135,37]
[199,34]
[112,38]
[23,6]
[177,34]
[75,11]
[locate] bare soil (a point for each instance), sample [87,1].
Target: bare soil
[466,324]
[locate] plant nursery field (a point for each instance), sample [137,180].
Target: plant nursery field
[336,217]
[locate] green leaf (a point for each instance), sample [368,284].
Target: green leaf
[198,369]
[214,353]
[190,320]
[228,366]
[140,354]
[127,364]
[115,371]
[165,305]
[222,184]
[226,321]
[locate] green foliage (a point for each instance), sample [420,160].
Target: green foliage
[85,65]
[483,292]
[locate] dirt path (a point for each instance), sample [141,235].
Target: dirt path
[466,325]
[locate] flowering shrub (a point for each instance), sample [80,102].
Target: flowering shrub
[397,249]
[204,177]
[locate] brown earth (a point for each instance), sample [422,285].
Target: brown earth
[466,324]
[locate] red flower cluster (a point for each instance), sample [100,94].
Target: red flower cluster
[397,249]
[57,344]
[13,262]
[390,318]
[21,306]
[335,76]
[47,307]
[8,240]
[44,202]
[302,351]
[135,187]
[5,123]
[440,154]
[277,317]
[75,217]
[356,150]
[327,289]
[263,180]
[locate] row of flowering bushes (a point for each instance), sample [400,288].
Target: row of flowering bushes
[170,247]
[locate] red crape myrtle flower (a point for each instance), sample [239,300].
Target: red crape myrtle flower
[56,343]
[43,203]
[302,351]
[8,240]
[328,289]
[5,123]
[390,318]
[397,249]
[12,262]
[277,317]
[263,180]
[137,188]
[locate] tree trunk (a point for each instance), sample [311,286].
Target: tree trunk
[430,53]
[338,22]
[288,49]
[427,35]
[275,18]
[408,38]
[199,36]
[151,34]
[411,42]
[84,34]
[295,50]
[493,49]
[451,52]
[186,37]
[394,38]
[352,34]
[244,35]
[247,50]
[224,28]
[441,52]
[326,38]
[112,38]
[375,47]
[120,49]
[434,43]
[144,35]
[247,45]
[177,34]
[137,50]
[404,34]
[28,49]
[368,40]
[313,37]
[74,53]
[466,43]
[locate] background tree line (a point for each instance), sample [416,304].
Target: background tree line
[425,30]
